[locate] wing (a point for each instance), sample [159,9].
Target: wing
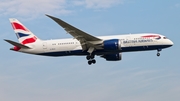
[88,42]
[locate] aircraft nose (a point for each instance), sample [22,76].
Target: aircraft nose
[171,43]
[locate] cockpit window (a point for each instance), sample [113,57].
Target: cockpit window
[164,37]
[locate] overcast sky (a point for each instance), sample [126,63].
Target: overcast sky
[140,76]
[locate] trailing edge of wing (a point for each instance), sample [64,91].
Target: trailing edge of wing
[17,44]
[75,32]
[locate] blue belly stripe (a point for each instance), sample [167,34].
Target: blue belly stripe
[101,52]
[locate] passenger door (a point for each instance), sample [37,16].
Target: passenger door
[44,46]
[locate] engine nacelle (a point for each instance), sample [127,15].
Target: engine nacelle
[113,57]
[113,44]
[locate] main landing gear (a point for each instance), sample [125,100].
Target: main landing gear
[158,52]
[91,59]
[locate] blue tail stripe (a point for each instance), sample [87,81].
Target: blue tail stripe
[19,35]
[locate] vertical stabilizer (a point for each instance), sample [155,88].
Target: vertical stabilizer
[24,35]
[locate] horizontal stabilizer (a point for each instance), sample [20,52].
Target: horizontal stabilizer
[17,44]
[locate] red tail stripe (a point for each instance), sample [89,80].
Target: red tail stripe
[29,40]
[18,26]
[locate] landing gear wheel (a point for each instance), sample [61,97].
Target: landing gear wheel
[158,54]
[88,57]
[93,61]
[89,62]
[92,56]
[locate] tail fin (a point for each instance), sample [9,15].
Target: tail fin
[24,35]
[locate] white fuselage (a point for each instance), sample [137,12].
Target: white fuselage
[131,42]
[82,43]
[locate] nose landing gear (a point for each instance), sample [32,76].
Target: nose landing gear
[158,52]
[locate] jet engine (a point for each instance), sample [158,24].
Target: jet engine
[113,44]
[113,57]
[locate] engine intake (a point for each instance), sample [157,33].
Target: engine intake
[113,44]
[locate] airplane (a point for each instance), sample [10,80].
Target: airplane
[84,44]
